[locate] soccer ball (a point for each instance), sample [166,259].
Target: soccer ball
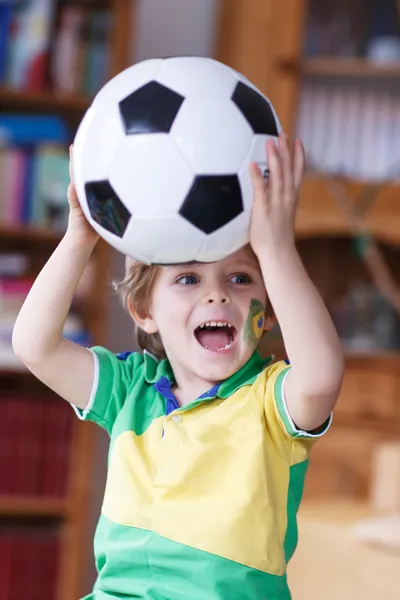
[161,159]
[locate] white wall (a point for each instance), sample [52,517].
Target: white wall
[175,27]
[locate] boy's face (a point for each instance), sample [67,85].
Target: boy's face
[210,316]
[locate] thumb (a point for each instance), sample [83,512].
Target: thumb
[72,196]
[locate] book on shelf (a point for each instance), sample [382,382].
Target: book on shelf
[15,284]
[36,435]
[28,28]
[29,561]
[351,129]
[80,60]
[34,170]
[44,44]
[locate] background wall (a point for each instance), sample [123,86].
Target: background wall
[163,28]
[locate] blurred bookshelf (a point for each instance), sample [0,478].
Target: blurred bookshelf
[54,56]
[332,70]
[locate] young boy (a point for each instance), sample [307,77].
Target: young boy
[209,446]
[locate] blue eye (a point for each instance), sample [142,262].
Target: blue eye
[241,279]
[188,280]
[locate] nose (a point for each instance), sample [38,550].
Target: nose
[222,300]
[217,296]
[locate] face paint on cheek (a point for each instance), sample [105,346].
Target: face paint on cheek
[254,326]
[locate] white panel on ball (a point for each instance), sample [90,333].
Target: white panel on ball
[212,135]
[145,153]
[197,77]
[234,235]
[150,174]
[127,82]
[95,145]
[164,240]
[258,154]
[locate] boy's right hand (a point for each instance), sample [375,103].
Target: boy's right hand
[78,225]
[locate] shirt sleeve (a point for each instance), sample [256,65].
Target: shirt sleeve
[293,443]
[114,376]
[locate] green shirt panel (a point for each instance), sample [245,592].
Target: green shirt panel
[147,565]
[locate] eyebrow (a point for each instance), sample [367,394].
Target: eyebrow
[244,262]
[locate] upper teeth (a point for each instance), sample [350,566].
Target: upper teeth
[215,324]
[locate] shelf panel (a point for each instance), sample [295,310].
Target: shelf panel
[340,67]
[30,234]
[14,506]
[319,215]
[46,99]
[382,360]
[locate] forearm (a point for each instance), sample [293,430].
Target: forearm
[39,325]
[310,338]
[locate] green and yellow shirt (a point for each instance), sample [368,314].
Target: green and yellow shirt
[201,500]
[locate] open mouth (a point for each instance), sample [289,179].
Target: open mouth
[216,336]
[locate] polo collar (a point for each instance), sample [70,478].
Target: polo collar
[155,369]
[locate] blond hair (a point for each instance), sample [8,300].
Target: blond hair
[135,292]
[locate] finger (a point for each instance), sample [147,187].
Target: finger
[275,182]
[71,174]
[299,161]
[287,167]
[72,196]
[257,180]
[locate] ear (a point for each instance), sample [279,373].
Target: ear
[144,321]
[270,322]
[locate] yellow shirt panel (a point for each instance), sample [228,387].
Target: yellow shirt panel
[206,479]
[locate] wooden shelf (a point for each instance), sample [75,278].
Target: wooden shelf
[47,99]
[340,67]
[14,506]
[353,359]
[319,215]
[30,234]
[391,360]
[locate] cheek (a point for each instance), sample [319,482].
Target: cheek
[254,326]
[172,312]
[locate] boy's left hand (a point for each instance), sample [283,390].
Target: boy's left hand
[275,201]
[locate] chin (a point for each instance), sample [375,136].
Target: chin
[218,368]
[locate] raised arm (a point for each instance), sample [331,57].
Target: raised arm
[312,344]
[65,367]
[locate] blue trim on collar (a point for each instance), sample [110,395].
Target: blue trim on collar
[163,386]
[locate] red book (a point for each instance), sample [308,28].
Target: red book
[4,436]
[5,565]
[8,414]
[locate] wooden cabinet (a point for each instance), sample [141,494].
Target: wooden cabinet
[256,38]
[366,415]
[264,39]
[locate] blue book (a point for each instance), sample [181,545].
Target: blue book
[5,20]
[49,183]
[28,130]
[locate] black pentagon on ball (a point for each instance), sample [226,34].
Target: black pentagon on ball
[150,109]
[256,110]
[106,208]
[213,201]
